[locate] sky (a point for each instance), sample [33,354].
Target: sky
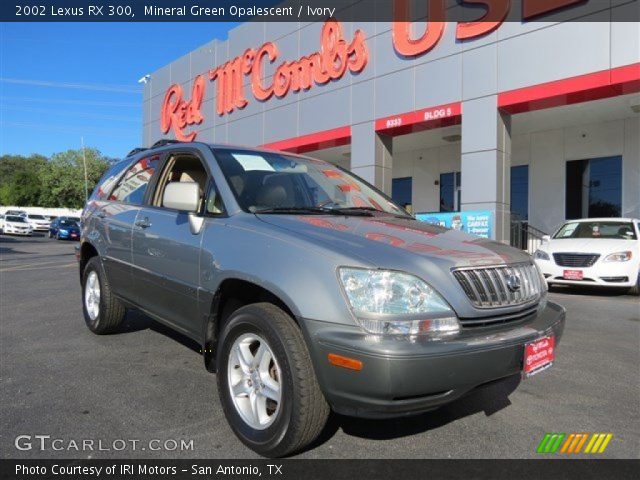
[60,82]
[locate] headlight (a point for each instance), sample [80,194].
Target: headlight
[64,231]
[618,257]
[396,303]
[541,255]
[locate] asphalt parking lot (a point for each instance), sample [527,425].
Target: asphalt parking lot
[147,383]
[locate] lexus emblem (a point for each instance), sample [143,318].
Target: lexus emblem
[513,283]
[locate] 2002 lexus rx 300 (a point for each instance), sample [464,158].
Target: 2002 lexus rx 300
[308,289]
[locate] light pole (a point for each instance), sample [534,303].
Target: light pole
[86,180]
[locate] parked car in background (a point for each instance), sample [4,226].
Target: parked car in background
[64,228]
[307,288]
[16,225]
[38,222]
[603,252]
[19,213]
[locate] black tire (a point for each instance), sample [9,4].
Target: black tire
[303,410]
[111,312]
[635,290]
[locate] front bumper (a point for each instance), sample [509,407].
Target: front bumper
[601,274]
[403,377]
[15,231]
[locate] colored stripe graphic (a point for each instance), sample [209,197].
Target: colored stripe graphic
[572,443]
[550,443]
[598,443]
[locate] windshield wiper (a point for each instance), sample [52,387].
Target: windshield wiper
[365,211]
[292,210]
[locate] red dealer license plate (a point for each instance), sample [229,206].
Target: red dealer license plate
[572,274]
[539,355]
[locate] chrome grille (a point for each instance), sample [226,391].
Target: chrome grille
[575,259]
[492,287]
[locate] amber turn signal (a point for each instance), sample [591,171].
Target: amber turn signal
[344,362]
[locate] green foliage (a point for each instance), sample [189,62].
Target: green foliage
[57,182]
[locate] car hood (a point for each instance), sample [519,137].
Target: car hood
[387,241]
[588,245]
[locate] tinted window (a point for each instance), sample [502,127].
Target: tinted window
[449,191]
[133,185]
[108,180]
[15,219]
[520,191]
[401,191]
[594,188]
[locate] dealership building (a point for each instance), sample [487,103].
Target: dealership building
[484,124]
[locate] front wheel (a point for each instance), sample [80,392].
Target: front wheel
[103,313]
[266,383]
[635,290]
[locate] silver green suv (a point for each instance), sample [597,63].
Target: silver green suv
[308,289]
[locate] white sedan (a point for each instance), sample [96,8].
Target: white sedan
[15,225]
[602,252]
[38,222]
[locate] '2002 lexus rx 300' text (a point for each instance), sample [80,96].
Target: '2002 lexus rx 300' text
[307,288]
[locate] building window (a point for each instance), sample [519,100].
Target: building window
[401,191]
[520,191]
[450,192]
[594,188]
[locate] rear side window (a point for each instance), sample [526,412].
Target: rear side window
[108,180]
[133,185]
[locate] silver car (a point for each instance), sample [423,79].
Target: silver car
[308,289]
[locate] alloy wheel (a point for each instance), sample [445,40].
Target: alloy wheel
[254,378]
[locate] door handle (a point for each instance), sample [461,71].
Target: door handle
[101,214]
[143,223]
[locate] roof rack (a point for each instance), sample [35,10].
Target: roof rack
[136,150]
[164,141]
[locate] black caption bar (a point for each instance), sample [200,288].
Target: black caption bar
[320,469]
[317,10]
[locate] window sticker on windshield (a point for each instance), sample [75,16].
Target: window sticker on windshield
[569,229]
[253,162]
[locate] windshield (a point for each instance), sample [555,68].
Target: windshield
[17,219]
[615,230]
[36,217]
[68,223]
[275,183]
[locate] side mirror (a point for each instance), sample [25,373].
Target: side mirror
[546,238]
[184,196]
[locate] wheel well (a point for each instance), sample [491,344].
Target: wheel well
[232,295]
[87,251]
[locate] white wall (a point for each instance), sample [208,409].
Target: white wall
[58,212]
[548,152]
[425,166]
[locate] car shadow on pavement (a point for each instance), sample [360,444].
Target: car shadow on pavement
[136,321]
[593,291]
[489,398]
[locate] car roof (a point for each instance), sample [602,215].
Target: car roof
[604,219]
[141,153]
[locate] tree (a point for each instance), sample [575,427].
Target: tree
[63,178]
[58,182]
[20,179]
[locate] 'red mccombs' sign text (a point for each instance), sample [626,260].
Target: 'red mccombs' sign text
[334,57]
